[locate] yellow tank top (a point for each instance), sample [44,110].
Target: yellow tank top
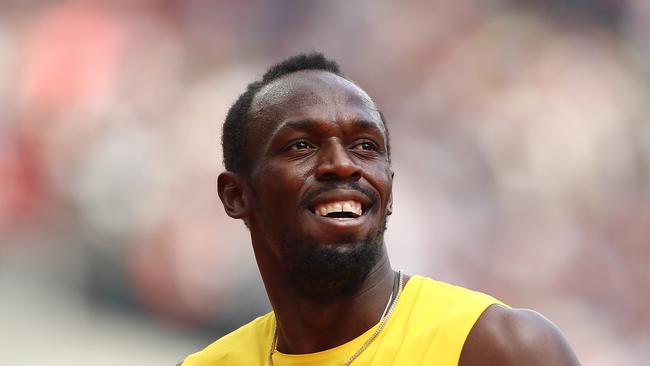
[428,326]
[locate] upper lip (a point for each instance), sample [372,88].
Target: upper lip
[337,195]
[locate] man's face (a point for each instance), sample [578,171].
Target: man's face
[320,179]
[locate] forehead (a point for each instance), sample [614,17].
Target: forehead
[310,95]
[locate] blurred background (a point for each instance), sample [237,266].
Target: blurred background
[520,143]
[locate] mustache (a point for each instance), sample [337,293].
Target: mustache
[328,186]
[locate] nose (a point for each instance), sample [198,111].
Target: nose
[334,163]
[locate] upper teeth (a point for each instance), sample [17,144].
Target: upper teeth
[340,206]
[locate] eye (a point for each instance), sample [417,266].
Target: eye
[300,145]
[366,146]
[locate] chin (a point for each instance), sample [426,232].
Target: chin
[331,270]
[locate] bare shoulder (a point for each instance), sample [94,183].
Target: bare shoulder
[504,336]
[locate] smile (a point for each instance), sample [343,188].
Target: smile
[341,210]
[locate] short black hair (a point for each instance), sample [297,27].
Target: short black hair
[233,136]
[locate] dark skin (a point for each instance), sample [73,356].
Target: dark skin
[313,129]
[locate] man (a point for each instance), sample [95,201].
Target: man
[308,171]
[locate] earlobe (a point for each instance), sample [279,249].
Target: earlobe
[230,187]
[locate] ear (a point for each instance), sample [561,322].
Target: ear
[389,207]
[230,187]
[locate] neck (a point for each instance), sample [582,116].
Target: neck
[306,325]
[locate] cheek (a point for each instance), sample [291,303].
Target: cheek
[380,177]
[280,186]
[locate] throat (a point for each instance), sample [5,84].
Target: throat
[338,322]
[329,329]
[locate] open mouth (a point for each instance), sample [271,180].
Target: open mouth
[339,210]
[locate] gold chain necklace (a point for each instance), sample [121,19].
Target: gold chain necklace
[384,319]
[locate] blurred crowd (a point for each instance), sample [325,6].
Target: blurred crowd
[520,142]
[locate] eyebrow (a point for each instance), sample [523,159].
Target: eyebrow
[305,124]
